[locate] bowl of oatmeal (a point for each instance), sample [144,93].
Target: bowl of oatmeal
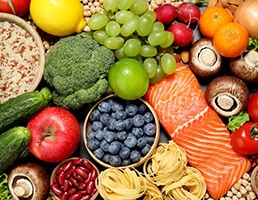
[22,57]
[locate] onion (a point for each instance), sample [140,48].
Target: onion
[247,15]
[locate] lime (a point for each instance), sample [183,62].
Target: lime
[128,79]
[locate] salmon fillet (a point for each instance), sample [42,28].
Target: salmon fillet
[180,104]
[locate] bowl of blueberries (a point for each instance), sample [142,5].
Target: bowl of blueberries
[121,133]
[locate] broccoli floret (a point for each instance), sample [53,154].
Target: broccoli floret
[77,68]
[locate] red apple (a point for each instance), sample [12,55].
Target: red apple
[55,134]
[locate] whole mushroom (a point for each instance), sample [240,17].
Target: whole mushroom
[29,181]
[227,95]
[204,60]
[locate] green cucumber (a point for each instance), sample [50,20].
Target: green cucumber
[22,107]
[12,143]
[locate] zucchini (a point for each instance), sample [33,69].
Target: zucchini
[12,143]
[23,107]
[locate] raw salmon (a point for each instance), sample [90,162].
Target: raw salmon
[180,104]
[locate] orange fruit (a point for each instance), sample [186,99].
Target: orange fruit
[230,39]
[211,18]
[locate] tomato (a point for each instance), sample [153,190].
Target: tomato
[245,139]
[252,107]
[21,7]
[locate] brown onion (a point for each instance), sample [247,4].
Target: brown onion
[247,15]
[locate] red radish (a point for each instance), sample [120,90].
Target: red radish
[183,35]
[188,13]
[166,13]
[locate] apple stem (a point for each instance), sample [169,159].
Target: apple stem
[45,134]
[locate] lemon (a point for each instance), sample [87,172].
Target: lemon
[58,17]
[128,79]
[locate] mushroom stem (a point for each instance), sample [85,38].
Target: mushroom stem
[207,57]
[225,102]
[23,188]
[251,58]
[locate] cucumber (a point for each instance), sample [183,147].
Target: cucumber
[23,107]
[12,143]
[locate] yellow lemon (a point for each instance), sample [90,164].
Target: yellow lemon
[58,17]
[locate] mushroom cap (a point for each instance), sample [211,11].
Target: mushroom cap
[204,60]
[241,69]
[227,95]
[35,175]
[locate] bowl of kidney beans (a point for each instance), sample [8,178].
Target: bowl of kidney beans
[74,178]
[121,133]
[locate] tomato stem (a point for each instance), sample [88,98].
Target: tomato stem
[254,131]
[11,6]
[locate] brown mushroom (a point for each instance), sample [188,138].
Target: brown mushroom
[29,181]
[227,95]
[245,66]
[204,60]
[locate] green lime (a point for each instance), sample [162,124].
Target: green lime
[128,79]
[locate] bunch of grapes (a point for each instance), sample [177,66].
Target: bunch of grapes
[130,29]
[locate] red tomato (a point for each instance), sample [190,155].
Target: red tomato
[252,107]
[21,7]
[245,139]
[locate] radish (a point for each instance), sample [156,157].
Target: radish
[183,35]
[166,13]
[188,13]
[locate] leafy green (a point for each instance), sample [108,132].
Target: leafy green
[238,120]
[4,191]
[253,44]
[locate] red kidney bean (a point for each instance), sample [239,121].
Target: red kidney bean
[64,196]
[86,197]
[78,177]
[87,180]
[69,172]
[78,161]
[61,178]
[81,172]
[74,181]
[90,187]
[84,192]
[94,174]
[56,190]
[82,186]
[87,164]
[66,185]
[75,196]
[67,166]
[84,169]
[72,190]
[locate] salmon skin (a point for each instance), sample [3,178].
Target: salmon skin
[180,104]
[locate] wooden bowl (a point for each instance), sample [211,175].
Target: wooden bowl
[15,58]
[61,165]
[87,128]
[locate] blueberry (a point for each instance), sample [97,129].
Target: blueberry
[120,125]
[97,125]
[148,117]
[104,107]
[126,162]
[128,124]
[130,141]
[116,106]
[93,144]
[146,149]
[109,136]
[135,156]
[120,114]
[95,115]
[115,160]
[131,109]
[99,153]
[104,145]
[99,134]
[124,152]
[138,120]
[149,129]
[122,135]
[111,125]
[114,147]
[142,108]
[90,135]
[141,142]
[106,158]
[137,132]
[149,139]
[104,118]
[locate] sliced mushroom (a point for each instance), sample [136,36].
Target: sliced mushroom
[227,95]
[29,181]
[245,66]
[204,60]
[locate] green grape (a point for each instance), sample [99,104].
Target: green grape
[169,40]
[138,58]
[152,15]
[157,26]
[148,51]
[139,7]
[114,42]
[124,4]
[100,36]
[124,16]
[157,37]
[158,76]
[132,47]
[144,26]
[97,21]
[119,53]
[128,28]
[168,63]
[113,28]
[110,5]
[150,65]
